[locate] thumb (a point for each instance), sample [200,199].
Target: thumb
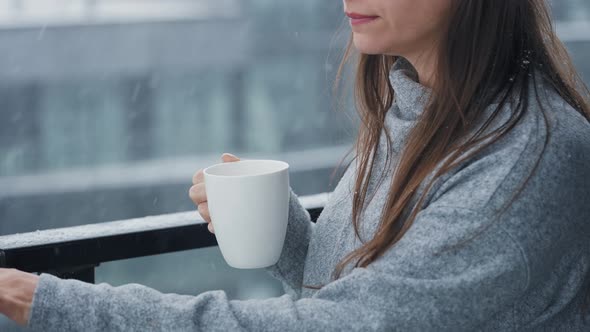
[228,157]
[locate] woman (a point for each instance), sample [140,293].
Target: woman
[473,113]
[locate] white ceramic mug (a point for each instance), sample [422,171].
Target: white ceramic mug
[249,207]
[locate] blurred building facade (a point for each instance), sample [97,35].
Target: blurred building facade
[109,106]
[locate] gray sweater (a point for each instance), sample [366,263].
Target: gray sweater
[527,271]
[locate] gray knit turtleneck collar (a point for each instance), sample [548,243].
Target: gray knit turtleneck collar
[409,102]
[410,95]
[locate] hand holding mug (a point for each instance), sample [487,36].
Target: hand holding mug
[248,202]
[198,194]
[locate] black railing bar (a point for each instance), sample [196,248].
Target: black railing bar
[75,254]
[99,230]
[122,227]
[65,256]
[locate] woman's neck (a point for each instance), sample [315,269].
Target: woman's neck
[425,63]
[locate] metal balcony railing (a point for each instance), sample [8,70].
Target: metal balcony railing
[75,252]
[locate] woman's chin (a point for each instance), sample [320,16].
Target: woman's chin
[367,45]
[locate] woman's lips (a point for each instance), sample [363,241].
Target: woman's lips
[356,19]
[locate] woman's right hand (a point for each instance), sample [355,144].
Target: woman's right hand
[198,194]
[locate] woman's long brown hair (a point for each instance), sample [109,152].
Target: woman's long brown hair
[493,50]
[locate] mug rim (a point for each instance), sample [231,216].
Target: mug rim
[285,166]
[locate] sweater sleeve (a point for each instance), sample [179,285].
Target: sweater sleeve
[289,268]
[418,285]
